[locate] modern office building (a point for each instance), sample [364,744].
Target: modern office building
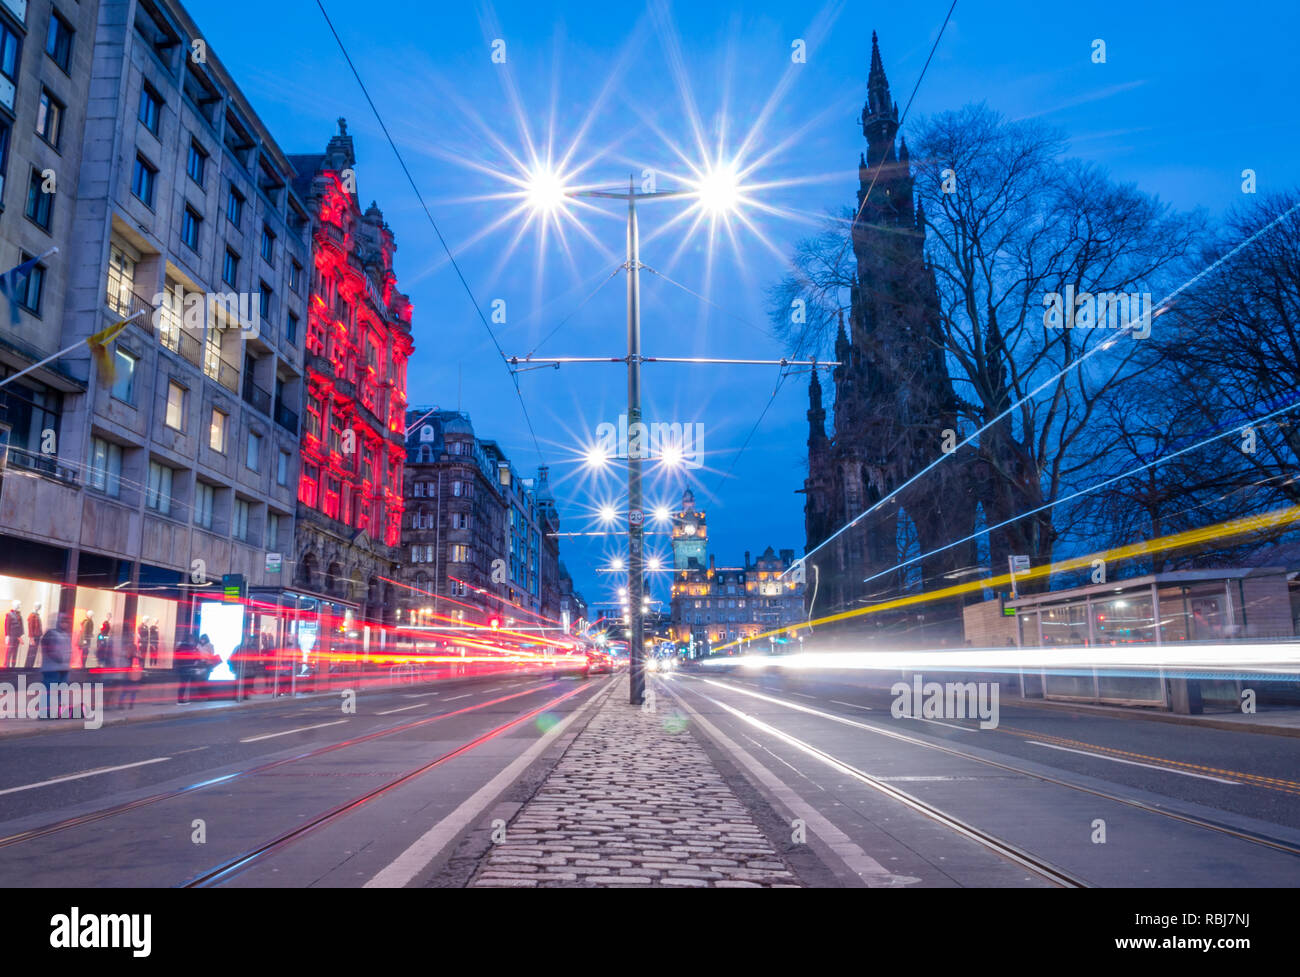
[178,213]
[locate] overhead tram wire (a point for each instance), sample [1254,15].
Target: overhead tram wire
[603,282]
[436,230]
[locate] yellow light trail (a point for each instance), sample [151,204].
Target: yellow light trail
[1161,544]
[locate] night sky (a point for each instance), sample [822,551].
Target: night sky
[1191,94]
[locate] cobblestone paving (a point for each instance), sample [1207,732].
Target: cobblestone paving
[634,803]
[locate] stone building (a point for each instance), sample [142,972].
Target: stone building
[476,537]
[711,606]
[173,207]
[357,343]
[893,401]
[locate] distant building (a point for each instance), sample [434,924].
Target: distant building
[713,605]
[474,539]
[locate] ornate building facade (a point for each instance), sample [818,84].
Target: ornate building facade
[894,403]
[357,342]
[712,605]
[477,540]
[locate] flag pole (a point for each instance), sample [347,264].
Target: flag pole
[62,352]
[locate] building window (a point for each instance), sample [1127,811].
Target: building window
[460,520]
[195,162]
[417,554]
[239,520]
[417,490]
[105,467]
[158,496]
[282,468]
[49,118]
[190,228]
[39,203]
[121,281]
[295,277]
[460,553]
[143,180]
[254,459]
[32,290]
[150,108]
[333,489]
[268,245]
[204,496]
[175,405]
[217,432]
[230,269]
[4,154]
[58,41]
[291,328]
[307,485]
[11,47]
[235,207]
[272,531]
[458,489]
[264,301]
[124,384]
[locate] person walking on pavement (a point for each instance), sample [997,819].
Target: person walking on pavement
[184,660]
[56,657]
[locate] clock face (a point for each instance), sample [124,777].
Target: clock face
[689,529]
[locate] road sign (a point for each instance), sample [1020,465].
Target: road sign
[635,517]
[274,562]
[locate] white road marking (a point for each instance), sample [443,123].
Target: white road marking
[403,869]
[858,861]
[399,709]
[851,705]
[84,773]
[804,695]
[300,729]
[1135,763]
[422,695]
[455,697]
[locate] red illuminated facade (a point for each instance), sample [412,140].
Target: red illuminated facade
[357,341]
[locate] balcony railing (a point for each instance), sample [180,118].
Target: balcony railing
[221,369]
[125,303]
[286,418]
[41,464]
[257,397]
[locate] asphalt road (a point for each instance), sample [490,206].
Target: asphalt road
[1104,800]
[165,802]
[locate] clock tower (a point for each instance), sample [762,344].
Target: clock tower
[690,536]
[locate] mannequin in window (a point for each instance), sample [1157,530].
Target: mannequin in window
[34,631]
[85,637]
[13,634]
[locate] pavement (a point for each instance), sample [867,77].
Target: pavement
[635,801]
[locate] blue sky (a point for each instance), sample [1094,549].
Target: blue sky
[1190,95]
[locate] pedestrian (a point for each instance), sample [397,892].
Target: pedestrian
[131,685]
[184,661]
[56,657]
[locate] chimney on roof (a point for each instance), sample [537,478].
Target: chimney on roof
[747,563]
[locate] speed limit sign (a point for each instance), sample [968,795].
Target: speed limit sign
[635,517]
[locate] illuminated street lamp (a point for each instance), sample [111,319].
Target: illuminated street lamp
[717,190]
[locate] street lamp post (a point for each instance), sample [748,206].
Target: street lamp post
[635,512]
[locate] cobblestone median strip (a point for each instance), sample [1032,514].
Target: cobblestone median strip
[634,802]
